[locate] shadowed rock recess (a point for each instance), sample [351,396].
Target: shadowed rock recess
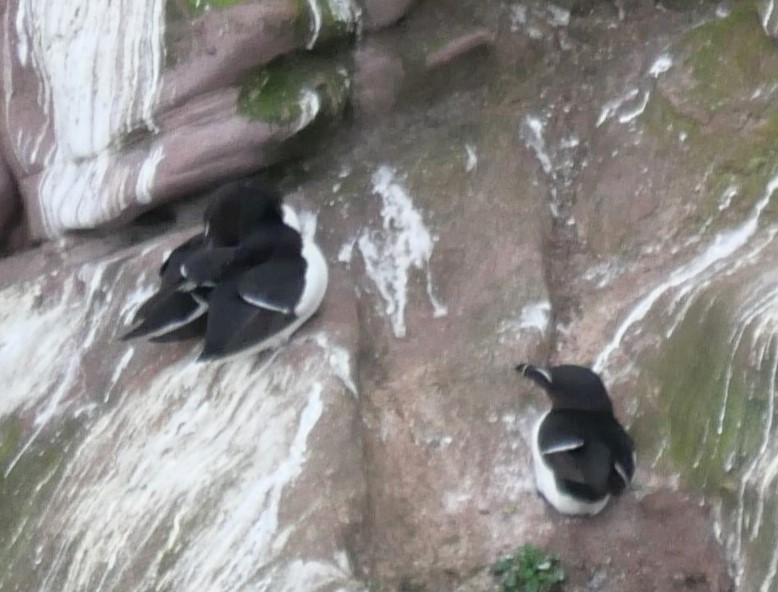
[491,182]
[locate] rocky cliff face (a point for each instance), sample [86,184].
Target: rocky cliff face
[112,109]
[530,184]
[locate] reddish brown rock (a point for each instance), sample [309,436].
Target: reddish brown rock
[464,234]
[382,13]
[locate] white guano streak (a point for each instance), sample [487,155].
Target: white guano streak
[177,448]
[532,131]
[768,13]
[611,107]
[661,65]
[99,65]
[345,12]
[402,244]
[723,246]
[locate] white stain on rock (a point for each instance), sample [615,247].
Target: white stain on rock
[661,65]
[339,360]
[471,158]
[560,17]
[346,251]
[518,16]
[144,288]
[767,13]
[99,69]
[39,328]
[180,480]
[171,458]
[402,244]
[145,181]
[695,272]
[534,317]
[344,13]
[610,108]
[727,196]
[630,115]
[532,132]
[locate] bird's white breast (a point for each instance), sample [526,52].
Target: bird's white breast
[547,485]
[316,278]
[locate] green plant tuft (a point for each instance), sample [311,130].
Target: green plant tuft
[200,6]
[529,569]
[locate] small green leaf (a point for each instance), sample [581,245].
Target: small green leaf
[501,566]
[510,580]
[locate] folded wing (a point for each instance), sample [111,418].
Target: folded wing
[587,453]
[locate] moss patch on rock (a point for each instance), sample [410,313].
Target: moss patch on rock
[339,18]
[712,399]
[279,92]
[27,481]
[729,58]
[722,157]
[200,6]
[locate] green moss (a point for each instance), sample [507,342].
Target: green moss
[273,92]
[723,157]
[529,569]
[200,6]
[729,58]
[712,416]
[663,121]
[332,26]
[24,491]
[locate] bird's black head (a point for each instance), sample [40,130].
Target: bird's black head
[239,208]
[570,387]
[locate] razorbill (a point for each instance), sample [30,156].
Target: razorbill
[246,283]
[260,307]
[238,208]
[175,305]
[581,454]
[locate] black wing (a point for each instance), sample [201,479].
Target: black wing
[207,266]
[583,453]
[191,330]
[235,325]
[165,311]
[623,449]
[275,285]
[239,207]
[170,270]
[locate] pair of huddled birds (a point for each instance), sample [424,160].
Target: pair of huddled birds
[251,279]
[245,283]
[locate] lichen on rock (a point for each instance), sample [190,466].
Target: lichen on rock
[297,88]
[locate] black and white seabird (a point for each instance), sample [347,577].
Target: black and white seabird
[167,314]
[238,208]
[260,307]
[247,282]
[581,454]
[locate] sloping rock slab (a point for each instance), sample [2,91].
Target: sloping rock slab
[130,466]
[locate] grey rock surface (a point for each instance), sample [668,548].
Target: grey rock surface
[592,190]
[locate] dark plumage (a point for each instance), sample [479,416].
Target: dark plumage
[238,208]
[581,453]
[174,305]
[247,282]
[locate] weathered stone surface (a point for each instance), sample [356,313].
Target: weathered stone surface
[769,18]
[578,194]
[187,476]
[89,114]
[381,13]
[113,108]
[9,202]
